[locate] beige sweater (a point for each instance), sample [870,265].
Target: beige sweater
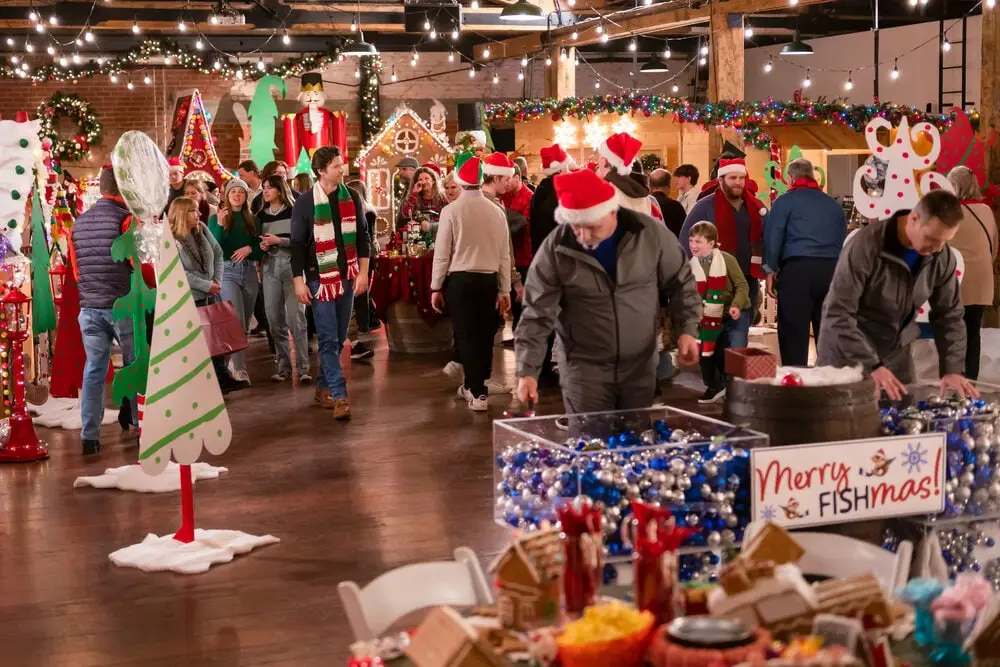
[472,237]
[978,249]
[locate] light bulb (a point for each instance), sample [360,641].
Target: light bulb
[239,74]
[704,49]
[76,58]
[524,61]
[427,24]
[33,16]
[10,41]
[394,77]
[666,53]
[129,85]
[632,46]
[260,63]
[486,53]
[748,32]
[600,28]
[354,26]
[945,45]
[604,38]
[454,33]
[562,54]
[597,84]
[416,55]
[357,73]
[413,62]
[768,67]
[703,61]
[548,61]
[63,62]
[114,78]
[571,3]
[14,59]
[574,35]
[923,2]
[807,81]
[474,4]
[286,39]
[451,57]
[496,79]
[913,3]
[520,75]
[53,20]
[135,28]
[147,80]
[990,4]
[167,60]
[849,84]
[647,2]
[433,34]
[182,26]
[213,20]
[198,44]
[894,74]
[793,2]
[675,88]
[39,27]
[217,64]
[29,47]
[472,73]
[88,36]
[576,60]
[51,50]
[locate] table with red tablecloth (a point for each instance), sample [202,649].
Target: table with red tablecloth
[401,294]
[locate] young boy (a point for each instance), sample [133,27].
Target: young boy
[724,291]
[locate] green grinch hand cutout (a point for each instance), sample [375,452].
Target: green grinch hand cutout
[781,185]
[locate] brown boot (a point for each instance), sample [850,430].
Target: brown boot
[341,409]
[324,399]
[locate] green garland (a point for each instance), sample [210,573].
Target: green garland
[369,97]
[750,118]
[78,109]
[174,55]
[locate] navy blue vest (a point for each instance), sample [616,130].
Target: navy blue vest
[102,280]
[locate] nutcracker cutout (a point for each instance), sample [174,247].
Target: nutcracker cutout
[313,126]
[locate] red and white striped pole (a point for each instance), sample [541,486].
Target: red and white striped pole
[140,403]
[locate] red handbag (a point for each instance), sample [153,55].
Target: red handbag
[223,330]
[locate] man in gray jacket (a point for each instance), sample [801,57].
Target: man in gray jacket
[598,282]
[884,274]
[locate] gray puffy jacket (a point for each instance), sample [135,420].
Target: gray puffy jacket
[601,322]
[870,311]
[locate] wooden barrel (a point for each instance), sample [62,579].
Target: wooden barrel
[407,332]
[804,415]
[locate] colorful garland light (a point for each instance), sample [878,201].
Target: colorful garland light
[369,98]
[173,55]
[78,109]
[750,118]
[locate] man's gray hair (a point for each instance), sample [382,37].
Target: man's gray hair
[800,168]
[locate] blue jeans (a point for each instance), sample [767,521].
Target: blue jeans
[240,287]
[739,330]
[99,331]
[332,320]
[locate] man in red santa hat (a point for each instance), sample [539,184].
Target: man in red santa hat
[591,283]
[544,202]
[615,165]
[739,218]
[176,180]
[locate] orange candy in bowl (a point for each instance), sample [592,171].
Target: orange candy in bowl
[607,634]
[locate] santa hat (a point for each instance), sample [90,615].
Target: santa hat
[880,453]
[468,170]
[734,166]
[498,164]
[175,165]
[433,167]
[620,150]
[584,197]
[555,160]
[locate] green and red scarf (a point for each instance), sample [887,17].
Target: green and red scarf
[331,285]
[712,289]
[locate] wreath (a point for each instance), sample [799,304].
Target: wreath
[88,127]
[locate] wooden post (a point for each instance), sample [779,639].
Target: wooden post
[725,72]
[989,114]
[560,76]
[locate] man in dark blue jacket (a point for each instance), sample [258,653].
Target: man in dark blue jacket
[102,281]
[803,237]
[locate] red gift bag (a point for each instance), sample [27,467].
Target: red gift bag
[223,330]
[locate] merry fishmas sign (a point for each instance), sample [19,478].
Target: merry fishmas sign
[856,480]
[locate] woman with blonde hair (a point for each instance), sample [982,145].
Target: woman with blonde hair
[238,232]
[195,191]
[201,257]
[976,239]
[452,190]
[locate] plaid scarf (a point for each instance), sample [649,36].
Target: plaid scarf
[725,222]
[712,289]
[324,233]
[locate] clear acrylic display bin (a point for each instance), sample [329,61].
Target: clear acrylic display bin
[697,466]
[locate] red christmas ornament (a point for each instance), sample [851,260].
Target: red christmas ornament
[556,116]
[792,380]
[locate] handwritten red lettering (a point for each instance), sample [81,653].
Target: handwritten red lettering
[777,475]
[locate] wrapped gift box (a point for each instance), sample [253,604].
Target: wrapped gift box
[750,363]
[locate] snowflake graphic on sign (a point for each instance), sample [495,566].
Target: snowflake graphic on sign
[184,407]
[914,457]
[768,513]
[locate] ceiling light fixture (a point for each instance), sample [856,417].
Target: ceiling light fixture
[797,47]
[359,47]
[654,65]
[522,10]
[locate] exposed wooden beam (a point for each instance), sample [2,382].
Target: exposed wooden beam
[647,20]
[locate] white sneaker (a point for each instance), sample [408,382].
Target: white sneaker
[305,378]
[464,393]
[279,377]
[455,371]
[242,376]
[478,404]
[494,387]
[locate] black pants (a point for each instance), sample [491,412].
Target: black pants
[802,283]
[364,313]
[515,305]
[472,302]
[973,322]
[713,367]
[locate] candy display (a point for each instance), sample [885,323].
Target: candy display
[655,577]
[581,526]
[973,461]
[612,633]
[695,467]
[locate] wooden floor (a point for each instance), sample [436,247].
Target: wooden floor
[408,479]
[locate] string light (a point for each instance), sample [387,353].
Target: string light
[147,80]
[51,50]
[427,24]
[945,44]
[474,4]
[913,3]
[574,35]
[135,27]
[572,3]
[472,73]
[260,63]
[486,53]
[666,52]
[647,2]
[703,61]
[199,44]
[451,57]
[923,2]
[217,64]
[604,38]
[394,78]
[768,67]
[808,80]
[632,46]
[433,34]
[357,73]
[182,26]
[704,49]
[286,38]
[894,74]
[675,88]
[76,58]
[100,61]
[10,41]
[29,47]
[496,79]
[548,61]
[114,78]
[600,28]
[53,20]
[129,85]
[524,61]
[14,59]
[88,36]
[413,59]
[849,84]
[597,84]
[78,42]
[748,32]
[520,75]
[990,4]
[39,27]
[562,55]
[576,60]
[793,2]
[454,33]
[63,62]
[33,16]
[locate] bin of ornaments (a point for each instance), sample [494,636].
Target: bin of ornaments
[696,467]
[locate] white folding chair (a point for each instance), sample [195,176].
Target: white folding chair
[836,556]
[375,608]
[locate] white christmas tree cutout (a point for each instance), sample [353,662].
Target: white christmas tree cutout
[184,412]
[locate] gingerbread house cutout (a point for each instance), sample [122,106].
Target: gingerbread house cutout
[445,639]
[193,143]
[405,135]
[528,575]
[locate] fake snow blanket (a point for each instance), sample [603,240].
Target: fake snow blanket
[64,413]
[132,478]
[210,547]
